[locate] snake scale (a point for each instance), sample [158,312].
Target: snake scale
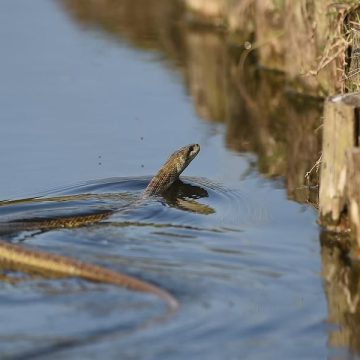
[18,257]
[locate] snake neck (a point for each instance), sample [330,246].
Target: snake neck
[171,170]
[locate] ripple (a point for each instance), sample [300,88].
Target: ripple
[200,241]
[234,207]
[192,202]
[197,203]
[101,186]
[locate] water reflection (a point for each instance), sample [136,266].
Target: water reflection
[150,24]
[259,112]
[182,196]
[342,288]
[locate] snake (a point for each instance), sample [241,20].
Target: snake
[19,257]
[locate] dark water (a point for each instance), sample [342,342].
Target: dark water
[242,259]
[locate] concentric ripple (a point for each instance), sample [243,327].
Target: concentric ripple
[193,202]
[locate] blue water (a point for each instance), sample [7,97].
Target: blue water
[83,114]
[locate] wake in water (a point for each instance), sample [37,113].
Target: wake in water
[110,200]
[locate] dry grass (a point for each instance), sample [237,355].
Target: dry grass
[340,38]
[337,43]
[315,167]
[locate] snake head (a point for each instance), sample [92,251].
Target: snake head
[183,157]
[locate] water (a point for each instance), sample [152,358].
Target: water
[86,119]
[231,267]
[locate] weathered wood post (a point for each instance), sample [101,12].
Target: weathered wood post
[353,192]
[339,163]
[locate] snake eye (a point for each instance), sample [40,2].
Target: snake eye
[190,150]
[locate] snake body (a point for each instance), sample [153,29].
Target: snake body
[18,257]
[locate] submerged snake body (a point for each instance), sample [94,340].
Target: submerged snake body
[18,257]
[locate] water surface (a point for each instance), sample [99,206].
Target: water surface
[86,119]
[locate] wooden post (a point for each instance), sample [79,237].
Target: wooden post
[340,135]
[353,192]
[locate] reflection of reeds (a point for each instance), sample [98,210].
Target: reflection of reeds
[149,25]
[258,113]
[213,11]
[342,288]
[205,73]
[282,128]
